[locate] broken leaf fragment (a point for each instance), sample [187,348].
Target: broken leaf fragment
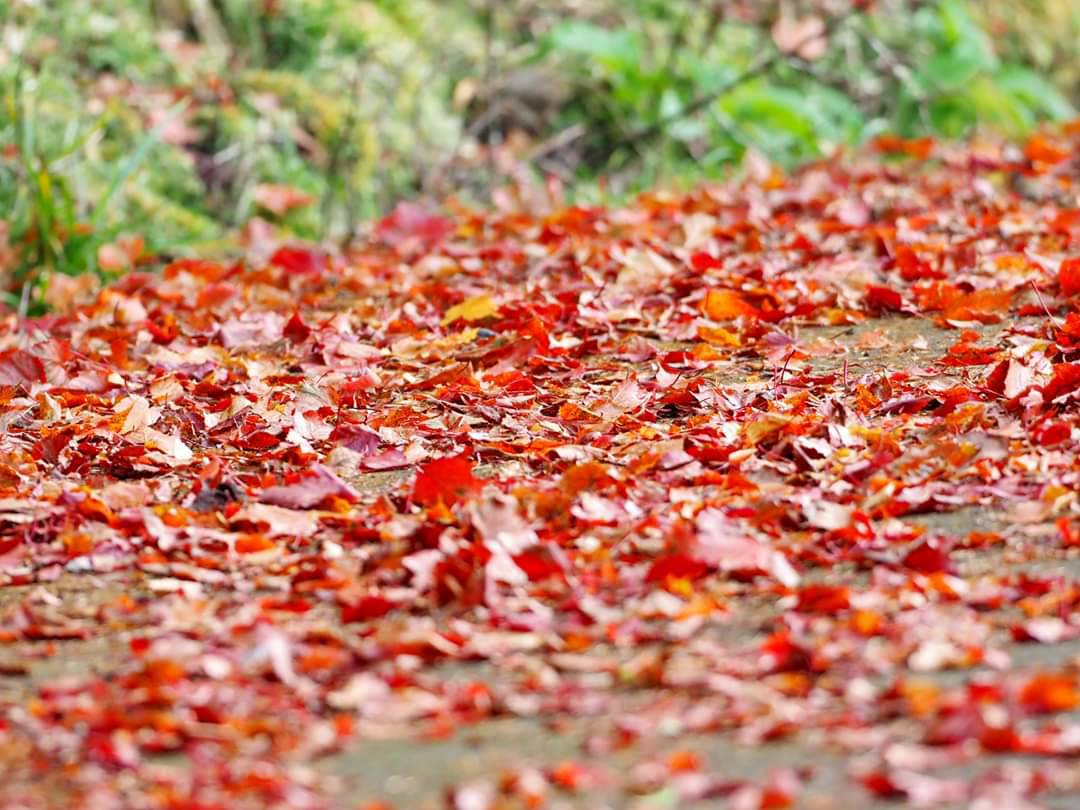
[172,446]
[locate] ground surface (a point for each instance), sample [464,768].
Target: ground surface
[764,496]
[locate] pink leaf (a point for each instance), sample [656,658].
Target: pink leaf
[19,367]
[309,491]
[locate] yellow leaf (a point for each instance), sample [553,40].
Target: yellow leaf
[703,351]
[472,309]
[768,424]
[719,336]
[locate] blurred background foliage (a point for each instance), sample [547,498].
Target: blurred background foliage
[131,129]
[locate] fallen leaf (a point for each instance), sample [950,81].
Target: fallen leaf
[19,367]
[446,480]
[477,308]
[280,199]
[726,305]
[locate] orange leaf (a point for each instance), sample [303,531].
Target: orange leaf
[1048,693]
[1040,149]
[982,305]
[919,148]
[251,543]
[684,761]
[719,336]
[726,305]
[77,544]
[590,475]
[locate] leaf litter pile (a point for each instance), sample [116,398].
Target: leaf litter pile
[764,494]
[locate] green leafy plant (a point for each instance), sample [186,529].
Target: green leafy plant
[60,230]
[933,72]
[958,81]
[172,118]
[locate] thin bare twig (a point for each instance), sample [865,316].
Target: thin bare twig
[716,16]
[1046,309]
[555,143]
[760,66]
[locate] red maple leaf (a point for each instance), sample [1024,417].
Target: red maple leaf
[449,480]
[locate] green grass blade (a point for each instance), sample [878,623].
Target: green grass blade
[131,165]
